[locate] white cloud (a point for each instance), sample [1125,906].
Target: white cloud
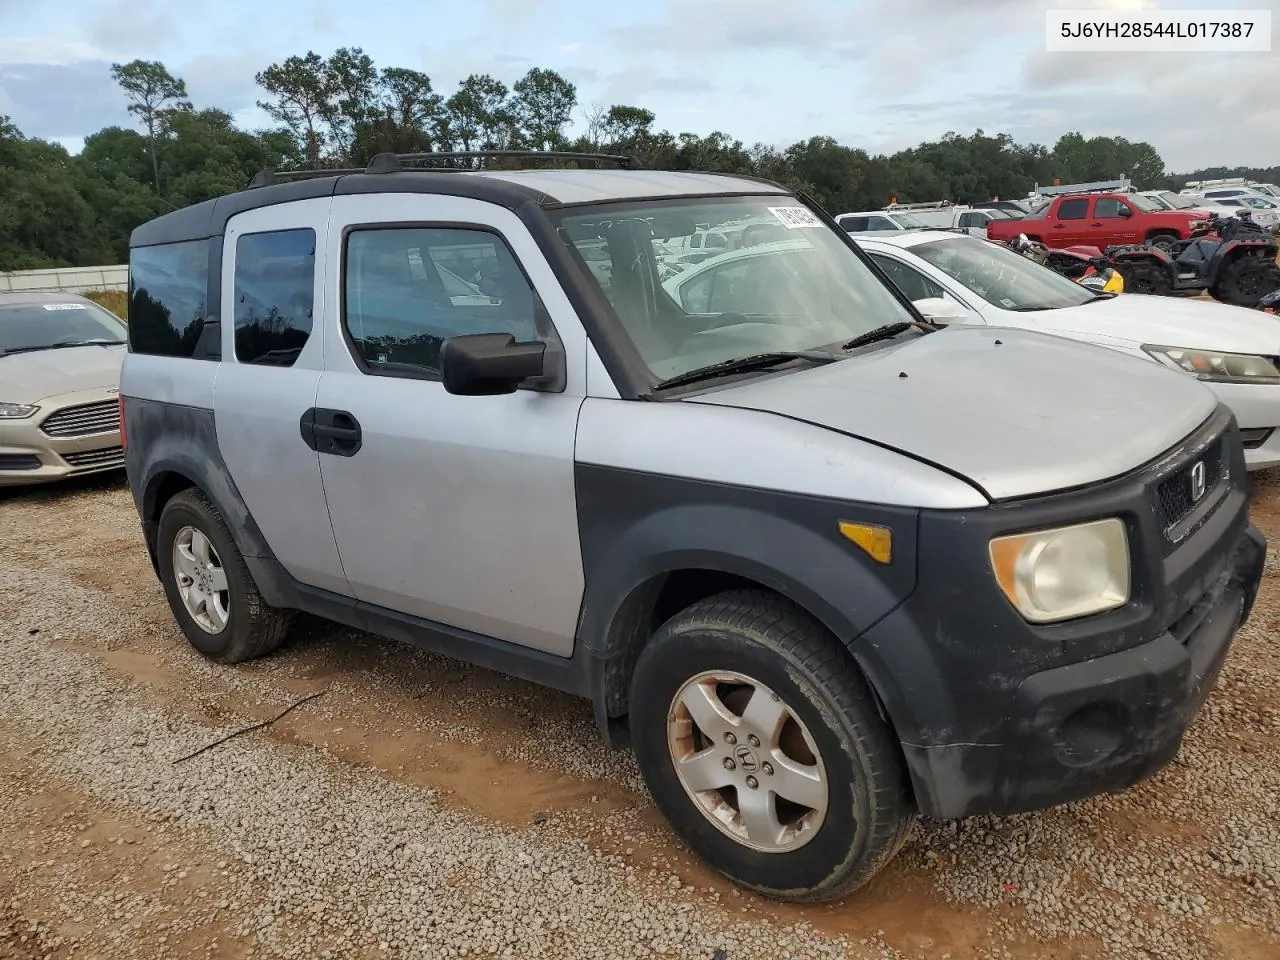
[47,51]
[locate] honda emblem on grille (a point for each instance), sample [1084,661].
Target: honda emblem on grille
[1197,481]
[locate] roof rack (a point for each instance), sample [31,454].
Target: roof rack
[1123,185]
[267,178]
[397,162]
[932,205]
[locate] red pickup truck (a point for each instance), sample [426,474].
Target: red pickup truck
[1099,220]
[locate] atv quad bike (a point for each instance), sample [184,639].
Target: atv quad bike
[1087,266]
[1233,258]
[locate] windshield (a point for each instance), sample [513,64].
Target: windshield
[1001,277]
[1145,204]
[34,326]
[1177,201]
[788,282]
[909,221]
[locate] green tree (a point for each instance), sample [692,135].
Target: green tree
[479,114]
[353,103]
[154,94]
[304,93]
[542,105]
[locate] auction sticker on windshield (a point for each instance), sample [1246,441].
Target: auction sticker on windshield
[795,218]
[63,306]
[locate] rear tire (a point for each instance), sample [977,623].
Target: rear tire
[1246,280]
[1145,277]
[785,723]
[209,588]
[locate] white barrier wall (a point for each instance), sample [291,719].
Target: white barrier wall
[66,279]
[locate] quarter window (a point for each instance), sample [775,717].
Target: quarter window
[913,284]
[408,289]
[1073,210]
[275,282]
[168,294]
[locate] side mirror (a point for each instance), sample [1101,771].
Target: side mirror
[489,364]
[1125,211]
[942,310]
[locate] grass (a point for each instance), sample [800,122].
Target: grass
[117,301]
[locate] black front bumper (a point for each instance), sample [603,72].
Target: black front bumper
[996,715]
[1096,726]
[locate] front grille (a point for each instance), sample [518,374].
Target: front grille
[100,417]
[19,461]
[1179,494]
[93,459]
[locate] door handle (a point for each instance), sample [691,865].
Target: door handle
[1059,226]
[1095,224]
[335,432]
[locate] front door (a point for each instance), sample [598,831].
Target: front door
[455,509]
[273,309]
[1113,222]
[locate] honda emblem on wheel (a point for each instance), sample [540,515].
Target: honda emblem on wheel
[1197,481]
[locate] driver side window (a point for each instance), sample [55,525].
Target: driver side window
[914,284]
[408,289]
[1108,207]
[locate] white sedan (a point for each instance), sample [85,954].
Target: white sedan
[1234,350]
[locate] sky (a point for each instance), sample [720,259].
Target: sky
[877,74]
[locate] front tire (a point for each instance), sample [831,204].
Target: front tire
[1244,282]
[209,588]
[761,743]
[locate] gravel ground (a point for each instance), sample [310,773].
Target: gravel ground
[423,808]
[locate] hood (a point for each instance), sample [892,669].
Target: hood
[1167,321]
[1015,413]
[28,377]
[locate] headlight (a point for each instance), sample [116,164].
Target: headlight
[1216,367]
[15,411]
[1069,572]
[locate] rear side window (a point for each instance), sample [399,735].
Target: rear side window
[408,289]
[274,295]
[168,298]
[1073,210]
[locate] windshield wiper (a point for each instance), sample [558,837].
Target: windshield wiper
[756,361]
[1102,296]
[879,333]
[63,346]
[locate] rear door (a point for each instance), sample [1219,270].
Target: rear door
[1070,225]
[455,509]
[273,300]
